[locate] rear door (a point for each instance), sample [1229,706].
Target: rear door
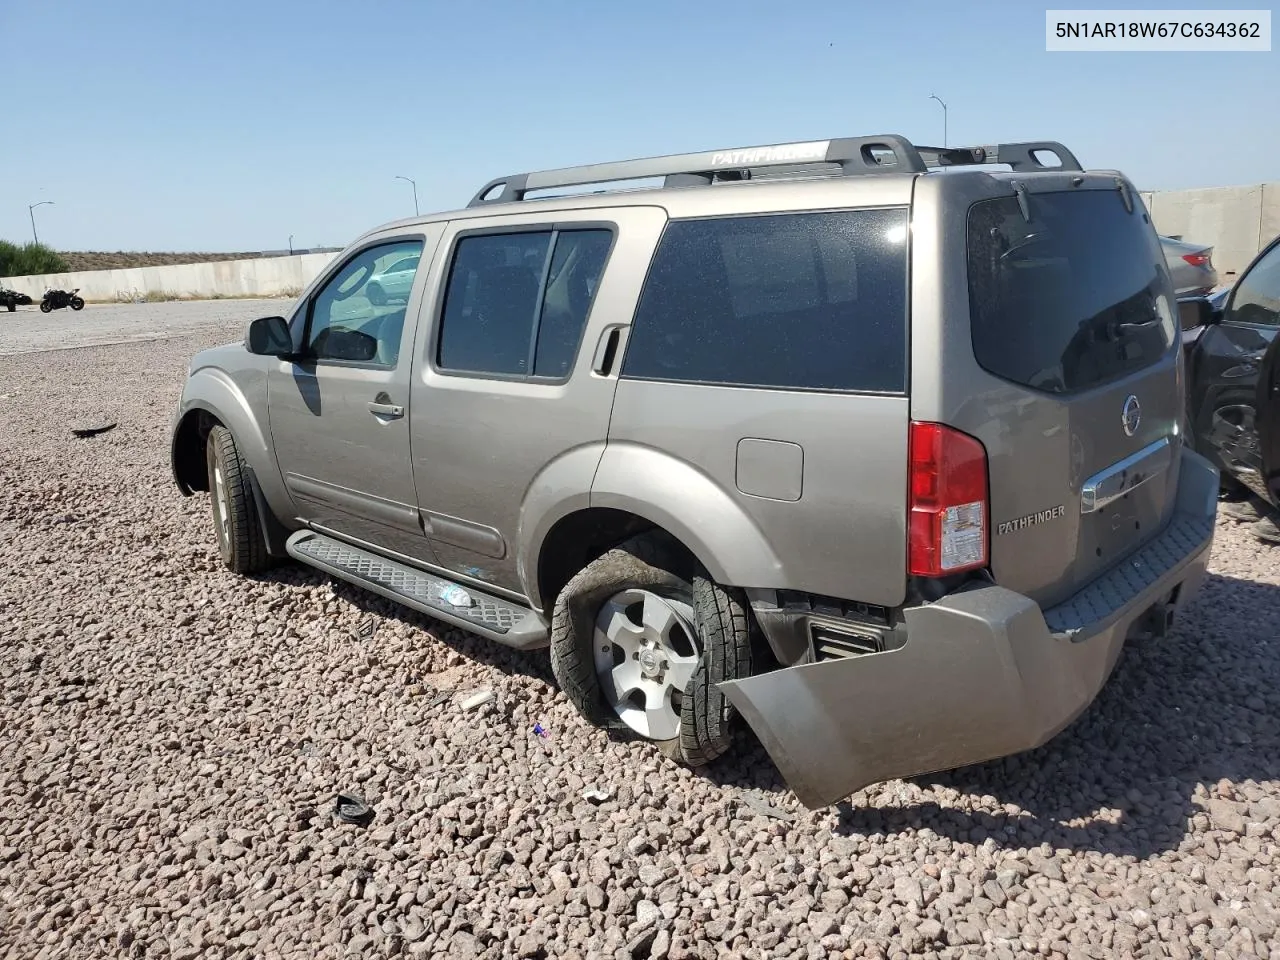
[1073,326]
[520,309]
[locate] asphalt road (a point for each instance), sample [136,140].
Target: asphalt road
[30,331]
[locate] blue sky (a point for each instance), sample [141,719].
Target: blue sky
[231,125]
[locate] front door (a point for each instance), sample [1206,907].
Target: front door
[340,414]
[1269,419]
[1227,382]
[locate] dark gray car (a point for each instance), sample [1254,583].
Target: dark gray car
[889,463]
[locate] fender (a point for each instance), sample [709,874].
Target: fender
[217,392]
[559,489]
[690,506]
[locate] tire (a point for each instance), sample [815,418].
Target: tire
[235,514]
[13,307]
[723,633]
[376,295]
[46,306]
[77,303]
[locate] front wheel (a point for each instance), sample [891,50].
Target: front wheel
[77,303]
[638,645]
[13,307]
[45,306]
[235,514]
[376,295]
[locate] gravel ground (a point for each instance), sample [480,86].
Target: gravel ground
[174,738]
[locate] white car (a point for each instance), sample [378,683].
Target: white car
[393,283]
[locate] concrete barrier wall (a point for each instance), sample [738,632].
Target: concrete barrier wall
[1236,221]
[266,277]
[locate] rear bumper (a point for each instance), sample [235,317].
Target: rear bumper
[984,673]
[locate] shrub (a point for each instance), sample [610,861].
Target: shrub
[28,259]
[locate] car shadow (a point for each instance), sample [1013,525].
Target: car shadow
[1177,716]
[535,664]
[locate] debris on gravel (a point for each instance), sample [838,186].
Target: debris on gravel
[174,737]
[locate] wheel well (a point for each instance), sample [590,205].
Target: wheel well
[580,538]
[189,450]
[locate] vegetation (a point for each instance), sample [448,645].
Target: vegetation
[29,259]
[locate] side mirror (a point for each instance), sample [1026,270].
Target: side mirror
[351,345]
[269,337]
[1196,312]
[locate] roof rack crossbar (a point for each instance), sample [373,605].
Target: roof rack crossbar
[1022,157]
[854,156]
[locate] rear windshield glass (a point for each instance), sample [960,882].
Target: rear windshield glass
[1073,299]
[811,301]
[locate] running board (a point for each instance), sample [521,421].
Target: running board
[508,623]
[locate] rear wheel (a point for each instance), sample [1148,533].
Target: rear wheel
[377,296]
[235,514]
[638,645]
[13,307]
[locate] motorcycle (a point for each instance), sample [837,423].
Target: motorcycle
[12,299]
[57,299]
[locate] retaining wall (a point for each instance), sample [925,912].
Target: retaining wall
[1236,221]
[265,277]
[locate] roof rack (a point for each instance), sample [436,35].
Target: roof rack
[847,156]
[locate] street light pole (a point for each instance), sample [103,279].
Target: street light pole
[944,117]
[31,212]
[291,244]
[415,192]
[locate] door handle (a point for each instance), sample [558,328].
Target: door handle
[607,350]
[391,411]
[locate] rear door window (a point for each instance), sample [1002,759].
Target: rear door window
[517,303]
[1074,298]
[811,301]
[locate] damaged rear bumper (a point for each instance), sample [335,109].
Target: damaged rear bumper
[984,673]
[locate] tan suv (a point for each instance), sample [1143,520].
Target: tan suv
[889,462]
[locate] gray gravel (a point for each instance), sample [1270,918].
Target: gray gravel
[172,739]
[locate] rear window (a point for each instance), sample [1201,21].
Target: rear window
[1075,298]
[812,301]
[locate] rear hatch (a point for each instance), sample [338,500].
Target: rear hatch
[1072,316]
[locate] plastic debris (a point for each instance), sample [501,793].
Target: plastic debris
[763,809]
[440,697]
[349,808]
[364,632]
[477,700]
[596,795]
[92,430]
[456,596]
[540,731]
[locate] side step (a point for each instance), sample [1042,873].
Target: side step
[508,623]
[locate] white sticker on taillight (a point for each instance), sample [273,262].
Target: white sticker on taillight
[963,535]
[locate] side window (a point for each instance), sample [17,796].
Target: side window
[1257,298]
[812,301]
[368,296]
[516,303]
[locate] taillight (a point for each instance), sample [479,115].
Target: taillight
[1196,259]
[949,512]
